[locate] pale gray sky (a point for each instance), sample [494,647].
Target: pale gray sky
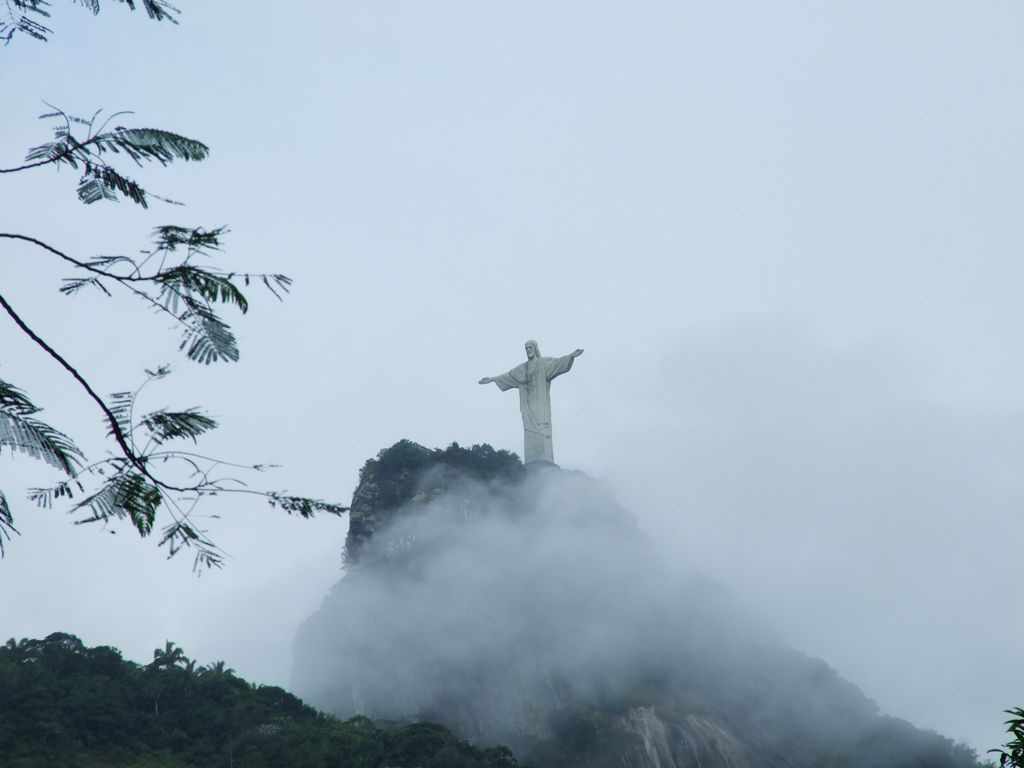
[787,234]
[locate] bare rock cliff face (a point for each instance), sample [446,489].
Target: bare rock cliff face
[525,607]
[694,740]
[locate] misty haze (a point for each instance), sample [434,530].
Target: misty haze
[524,606]
[777,515]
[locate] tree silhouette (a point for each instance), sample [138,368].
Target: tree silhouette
[219,669]
[169,656]
[1012,753]
[88,707]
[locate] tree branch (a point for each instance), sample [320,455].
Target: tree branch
[115,428]
[33,165]
[67,152]
[70,259]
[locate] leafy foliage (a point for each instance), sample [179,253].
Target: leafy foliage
[1012,753]
[171,655]
[207,338]
[68,704]
[45,497]
[127,494]
[397,473]
[189,280]
[302,506]
[169,278]
[121,404]
[21,432]
[6,522]
[24,15]
[145,476]
[81,144]
[400,468]
[128,488]
[889,742]
[582,733]
[20,19]
[165,425]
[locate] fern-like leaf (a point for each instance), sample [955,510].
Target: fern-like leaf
[181,534]
[38,6]
[44,497]
[18,19]
[303,506]
[187,279]
[126,494]
[159,10]
[101,182]
[62,148]
[91,189]
[105,262]
[121,406]
[167,425]
[14,400]
[275,283]
[72,285]
[92,5]
[6,522]
[170,237]
[21,432]
[208,338]
[151,144]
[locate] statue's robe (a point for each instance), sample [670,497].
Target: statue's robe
[533,380]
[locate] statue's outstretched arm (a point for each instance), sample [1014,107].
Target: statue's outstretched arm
[556,366]
[504,380]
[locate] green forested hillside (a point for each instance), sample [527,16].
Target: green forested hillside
[64,704]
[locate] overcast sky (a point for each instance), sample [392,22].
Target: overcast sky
[788,236]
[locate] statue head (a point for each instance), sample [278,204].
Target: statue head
[532,350]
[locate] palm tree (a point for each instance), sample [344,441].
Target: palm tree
[170,656]
[219,669]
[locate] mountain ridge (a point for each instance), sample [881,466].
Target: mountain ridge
[525,606]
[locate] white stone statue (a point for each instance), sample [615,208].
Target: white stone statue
[533,380]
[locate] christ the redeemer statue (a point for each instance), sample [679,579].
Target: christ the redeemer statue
[533,380]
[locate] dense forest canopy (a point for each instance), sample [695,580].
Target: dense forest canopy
[64,703]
